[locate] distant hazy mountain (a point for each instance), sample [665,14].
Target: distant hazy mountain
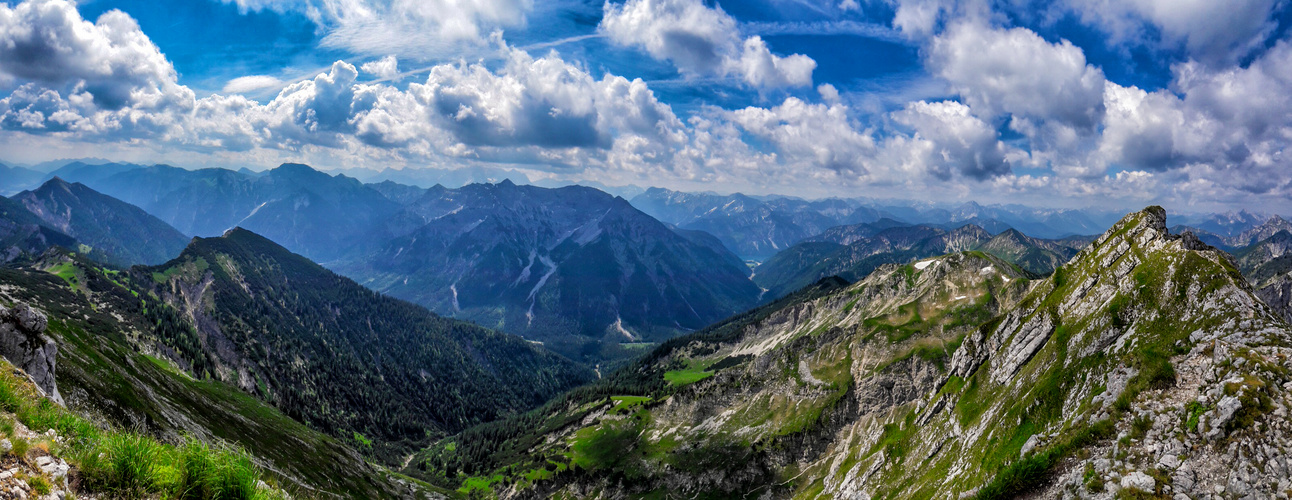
[124,233]
[15,179]
[752,228]
[402,194]
[337,356]
[89,173]
[573,267]
[310,212]
[1035,222]
[808,262]
[1246,229]
[1228,224]
[1261,232]
[427,177]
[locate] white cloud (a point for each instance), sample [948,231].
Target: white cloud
[1017,72]
[386,67]
[702,41]
[815,135]
[1215,32]
[950,140]
[380,27]
[47,41]
[546,103]
[244,84]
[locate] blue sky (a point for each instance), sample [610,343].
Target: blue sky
[1066,103]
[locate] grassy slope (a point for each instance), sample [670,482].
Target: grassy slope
[102,374]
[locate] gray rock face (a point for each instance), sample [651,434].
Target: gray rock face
[1139,481]
[23,343]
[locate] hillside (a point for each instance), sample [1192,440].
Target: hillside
[123,233]
[574,268]
[24,235]
[339,357]
[113,371]
[1142,367]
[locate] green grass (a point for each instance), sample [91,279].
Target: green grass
[130,465]
[39,484]
[66,271]
[1027,473]
[627,404]
[686,377]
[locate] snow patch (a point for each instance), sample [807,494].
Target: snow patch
[960,297]
[923,264]
[454,288]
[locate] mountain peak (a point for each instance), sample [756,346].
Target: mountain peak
[295,169]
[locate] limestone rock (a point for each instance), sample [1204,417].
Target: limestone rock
[23,343]
[1139,481]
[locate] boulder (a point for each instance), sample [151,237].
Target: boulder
[23,343]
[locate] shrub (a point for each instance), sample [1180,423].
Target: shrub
[39,484]
[20,447]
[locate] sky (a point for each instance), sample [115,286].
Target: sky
[1064,103]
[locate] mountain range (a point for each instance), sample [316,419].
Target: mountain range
[574,268]
[123,233]
[1139,369]
[956,356]
[852,252]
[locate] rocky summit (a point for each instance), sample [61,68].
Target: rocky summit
[1145,367]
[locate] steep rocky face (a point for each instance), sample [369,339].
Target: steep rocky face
[1267,259]
[1144,366]
[574,268]
[23,343]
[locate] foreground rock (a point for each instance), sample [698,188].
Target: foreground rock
[23,343]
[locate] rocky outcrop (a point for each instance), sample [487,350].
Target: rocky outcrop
[23,343]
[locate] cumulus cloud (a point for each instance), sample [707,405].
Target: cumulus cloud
[545,102]
[250,83]
[1017,72]
[386,67]
[47,41]
[702,41]
[401,26]
[1213,32]
[950,140]
[821,136]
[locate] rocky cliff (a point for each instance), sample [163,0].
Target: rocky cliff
[23,343]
